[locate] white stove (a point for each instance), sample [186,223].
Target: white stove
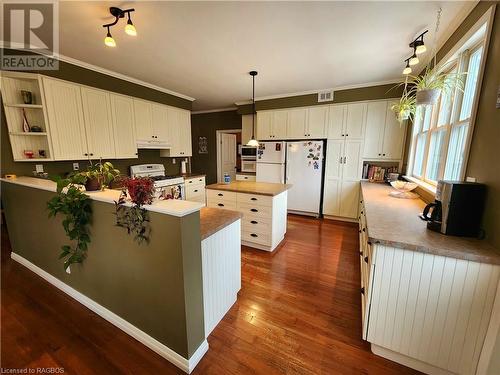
[166,187]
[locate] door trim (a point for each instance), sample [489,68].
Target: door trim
[218,141]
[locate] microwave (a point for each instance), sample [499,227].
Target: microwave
[248,152]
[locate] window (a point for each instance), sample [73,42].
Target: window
[440,132]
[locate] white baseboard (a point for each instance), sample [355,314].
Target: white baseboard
[340,218]
[186,365]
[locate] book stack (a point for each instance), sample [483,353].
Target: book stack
[376,173]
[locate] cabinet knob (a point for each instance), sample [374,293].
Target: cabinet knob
[379,155]
[196,190]
[91,154]
[86,154]
[342,135]
[366,259]
[137,153]
[362,290]
[383,154]
[347,135]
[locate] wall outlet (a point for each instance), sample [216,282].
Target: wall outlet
[76,166]
[174,161]
[470,179]
[39,168]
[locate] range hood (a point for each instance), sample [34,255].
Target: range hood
[153,144]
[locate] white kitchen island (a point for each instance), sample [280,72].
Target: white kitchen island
[264,209]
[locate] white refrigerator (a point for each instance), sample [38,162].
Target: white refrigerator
[271,162]
[304,170]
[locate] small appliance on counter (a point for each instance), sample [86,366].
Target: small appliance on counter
[166,187]
[457,209]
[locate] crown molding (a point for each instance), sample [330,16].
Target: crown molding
[215,110]
[309,92]
[105,71]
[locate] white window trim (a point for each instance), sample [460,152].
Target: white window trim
[486,19]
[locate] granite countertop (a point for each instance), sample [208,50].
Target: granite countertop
[213,220]
[251,187]
[173,207]
[395,222]
[187,176]
[246,173]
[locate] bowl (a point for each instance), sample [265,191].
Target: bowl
[404,189]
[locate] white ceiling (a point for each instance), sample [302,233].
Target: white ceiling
[205,49]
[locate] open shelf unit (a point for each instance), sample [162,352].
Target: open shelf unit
[15,110]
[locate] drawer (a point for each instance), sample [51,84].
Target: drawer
[258,238]
[195,181]
[222,204]
[244,177]
[229,196]
[255,200]
[193,190]
[196,198]
[255,224]
[255,210]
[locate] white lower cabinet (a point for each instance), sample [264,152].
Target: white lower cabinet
[245,177]
[340,198]
[264,217]
[195,189]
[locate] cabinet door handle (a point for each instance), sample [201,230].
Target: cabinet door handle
[91,154]
[190,181]
[254,235]
[345,158]
[254,222]
[342,135]
[383,154]
[366,259]
[364,229]
[86,154]
[340,161]
[220,195]
[253,199]
[359,231]
[196,190]
[362,290]
[220,205]
[379,154]
[347,135]
[254,210]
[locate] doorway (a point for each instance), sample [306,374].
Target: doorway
[228,158]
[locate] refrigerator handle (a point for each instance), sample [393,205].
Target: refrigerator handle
[287,173]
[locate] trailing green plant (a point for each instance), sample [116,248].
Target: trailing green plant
[135,218]
[75,206]
[406,107]
[437,79]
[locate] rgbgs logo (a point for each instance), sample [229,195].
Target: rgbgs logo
[30,35]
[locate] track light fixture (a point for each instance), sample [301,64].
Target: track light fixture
[407,69]
[418,44]
[129,28]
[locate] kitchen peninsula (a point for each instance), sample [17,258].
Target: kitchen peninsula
[264,209]
[168,294]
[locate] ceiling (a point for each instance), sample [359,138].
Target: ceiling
[206,49]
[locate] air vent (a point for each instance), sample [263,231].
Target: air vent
[325,96]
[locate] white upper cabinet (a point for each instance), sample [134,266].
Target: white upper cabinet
[336,121]
[394,136]
[143,120]
[122,108]
[64,110]
[179,133]
[375,123]
[264,123]
[98,123]
[355,121]
[159,115]
[317,122]
[279,124]
[384,135]
[297,124]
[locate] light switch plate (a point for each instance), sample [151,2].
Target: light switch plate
[173,161]
[76,166]
[39,168]
[470,179]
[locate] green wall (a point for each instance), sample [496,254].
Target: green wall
[206,125]
[156,287]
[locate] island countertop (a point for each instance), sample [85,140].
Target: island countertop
[213,220]
[252,187]
[395,222]
[174,207]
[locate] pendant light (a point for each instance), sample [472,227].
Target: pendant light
[407,69]
[109,41]
[129,27]
[414,59]
[253,142]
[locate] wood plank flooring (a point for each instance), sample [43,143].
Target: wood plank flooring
[298,313]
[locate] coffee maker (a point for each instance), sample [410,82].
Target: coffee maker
[457,209]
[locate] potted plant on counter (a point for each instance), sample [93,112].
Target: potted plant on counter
[135,218]
[99,175]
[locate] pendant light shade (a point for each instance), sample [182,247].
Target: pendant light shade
[253,142]
[407,69]
[109,41]
[414,60]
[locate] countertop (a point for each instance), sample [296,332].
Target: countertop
[395,222]
[187,176]
[247,173]
[251,187]
[213,220]
[173,207]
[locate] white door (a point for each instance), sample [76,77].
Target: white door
[317,121]
[122,108]
[355,121]
[267,172]
[374,133]
[159,116]
[263,126]
[331,197]
[334,158]
[143,120]
[394,136]
[67,128]
[297,124]
[349,199]
[304,164]
[228,155]
[351,169]
[271,152]
[336,120]
[98,123]
[279,125]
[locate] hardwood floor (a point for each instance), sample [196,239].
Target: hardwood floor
[298,312]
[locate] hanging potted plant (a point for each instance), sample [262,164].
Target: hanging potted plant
[405,108]
[135,219]
[99,176]
[435,81]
